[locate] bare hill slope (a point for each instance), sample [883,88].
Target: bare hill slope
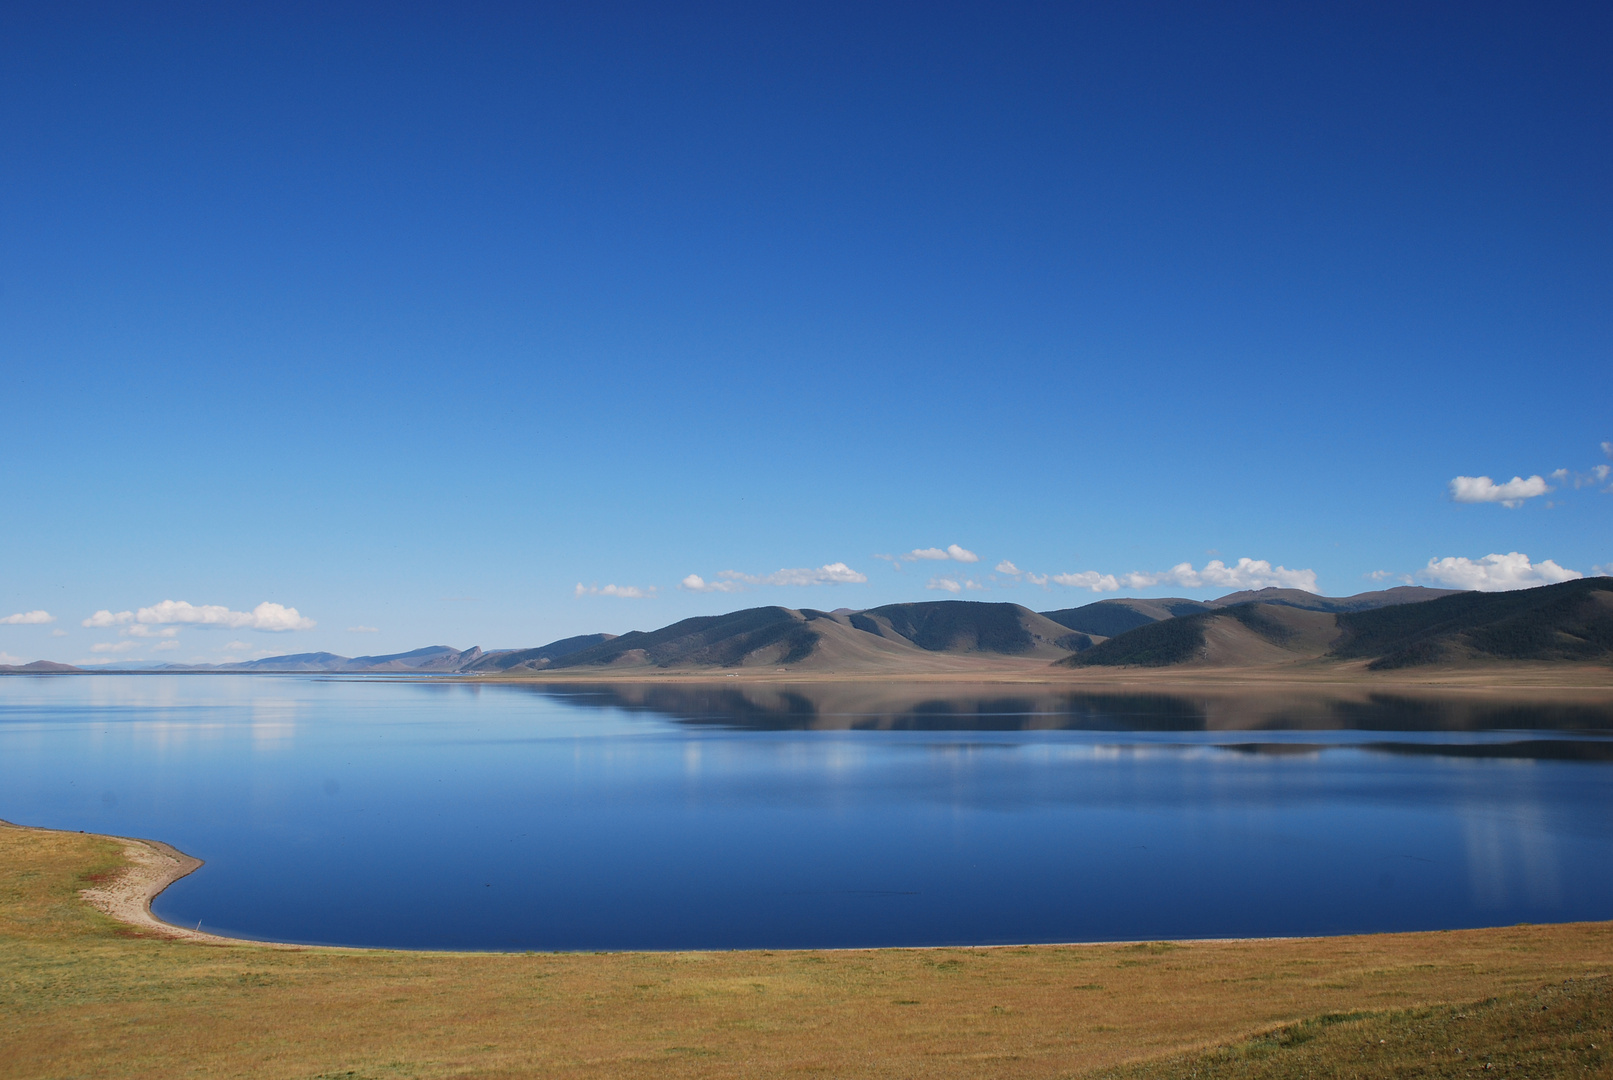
[1572,621]
[963,626]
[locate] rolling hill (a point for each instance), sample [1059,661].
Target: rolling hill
[536,659]
[1572,621]
[894,637]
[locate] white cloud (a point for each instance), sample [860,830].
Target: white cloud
[237,646]
[163,646]
[273,618]
[1495,573]
[1036,579]
[363,630]
[1247,574]
[951,551]
[1388,575]
[1604,570]
[1481,489]
[696,583]
[734,581]
[114,646]
[142,630]
[105,618]
[1006,567]
[828,574]
[626,592]
[11,661]
[28,618]
[1607,448]
[1088,579]
[954,585]
[58,632]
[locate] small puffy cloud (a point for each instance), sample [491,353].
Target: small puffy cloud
[163,646]
[935,554]
[734,581]
[28,618]
[1607,448]
[143,631]
[273,618]
[1088,579]
[1009,569]
[1246,574]
[114,646]
[363,630]
[626,592]
[11,661]
[954,585]
[58,632]
[105,618]
[1388,575]
[1481,489]
[696,583]
[829,574]
[1495,573]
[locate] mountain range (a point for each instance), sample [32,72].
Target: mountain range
[1388,629]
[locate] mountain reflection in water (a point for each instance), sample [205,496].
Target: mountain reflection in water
[457,813]
[926,707]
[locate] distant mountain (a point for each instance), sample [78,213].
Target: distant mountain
[1569,621]
[308,661]
[1239,635]
[754,637]
[1110,617]
[963,626]
[1390,628]
[39,667]
[438,658]
[539,658]
[886,638]
[1402,594]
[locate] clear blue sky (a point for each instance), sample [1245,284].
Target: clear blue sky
[416,318]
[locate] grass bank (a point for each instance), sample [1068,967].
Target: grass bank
[84,996]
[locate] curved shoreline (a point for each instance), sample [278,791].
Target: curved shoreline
[152,867]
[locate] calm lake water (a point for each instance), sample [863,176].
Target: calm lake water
[445,814]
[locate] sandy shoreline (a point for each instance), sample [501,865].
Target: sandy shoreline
[152,867]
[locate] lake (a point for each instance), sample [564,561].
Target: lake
[450,814]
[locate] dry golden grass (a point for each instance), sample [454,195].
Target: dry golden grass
[83,996]
[1562,1030]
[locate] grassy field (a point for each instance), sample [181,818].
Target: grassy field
[83,996]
